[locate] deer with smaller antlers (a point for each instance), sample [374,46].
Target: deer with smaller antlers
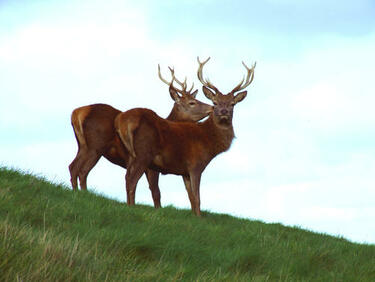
[179,148]
[96,136]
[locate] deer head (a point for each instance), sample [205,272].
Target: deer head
[224,103]
[186,104]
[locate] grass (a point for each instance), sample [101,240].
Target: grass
[49,233]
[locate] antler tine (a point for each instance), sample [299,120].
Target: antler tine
[182,84]
[202,63]
[206,82]
[182,91]
[191,88]
[171,69]
[200,69]
[162,79]
[238,87]
[185,86]
[171,82]
[249,78]
[250,72]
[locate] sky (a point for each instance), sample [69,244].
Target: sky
[304,152]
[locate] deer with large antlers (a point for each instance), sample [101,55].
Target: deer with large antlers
[96,135]
[178,147]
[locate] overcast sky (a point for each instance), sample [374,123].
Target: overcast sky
[304,152]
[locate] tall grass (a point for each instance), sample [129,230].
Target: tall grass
[49,233]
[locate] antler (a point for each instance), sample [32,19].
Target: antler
[206,82]
[163,79]
[182,84]
[249,78]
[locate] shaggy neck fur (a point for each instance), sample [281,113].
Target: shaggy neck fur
[220,136]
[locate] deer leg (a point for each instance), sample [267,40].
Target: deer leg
[133,174]
[90,162]
[153,180]
[74,168]
[195,179]
[189,191]
[73,174]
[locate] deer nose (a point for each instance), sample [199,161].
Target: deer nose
[224,112]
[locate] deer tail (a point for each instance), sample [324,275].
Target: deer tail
[77,119]
[126,133]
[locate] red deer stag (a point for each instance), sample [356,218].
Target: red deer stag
[179,147]
[96,135]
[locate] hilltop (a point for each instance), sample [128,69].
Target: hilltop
[49,233]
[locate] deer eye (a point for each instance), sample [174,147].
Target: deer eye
[192,103]
[215,104]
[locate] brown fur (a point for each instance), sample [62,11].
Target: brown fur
[180,148]
[77,118]
[96,137]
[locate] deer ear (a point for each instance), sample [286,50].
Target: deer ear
[240,96]
[208,93]
[174,94]
[194,94]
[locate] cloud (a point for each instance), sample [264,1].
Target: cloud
[303,148]
[67,66]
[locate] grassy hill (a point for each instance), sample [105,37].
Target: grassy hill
[49,233]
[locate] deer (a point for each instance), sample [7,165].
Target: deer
[180,148]
[94,130]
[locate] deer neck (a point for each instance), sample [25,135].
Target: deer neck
[174,114]
[219,136]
